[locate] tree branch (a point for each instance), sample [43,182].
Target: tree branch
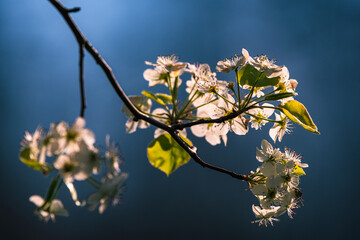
[82,41]
[232,115]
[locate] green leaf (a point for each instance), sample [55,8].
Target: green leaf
[25,158]
[162,99]
[248,75]
[298,170]
[278,96]
[166,154]
[297,112]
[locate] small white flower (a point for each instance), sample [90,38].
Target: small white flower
[260,114]
[279,129]
[263,64]
[239,125]
[50,209]
[269,157]
[204,78]
[62,138]
[169,63]
[296,158]
[55,140]
[291,179]
[155,76]
[78,165]
[213,132]
[165,67]
[268,193]
[113,159]
[230,64]
[265,216]
[31,142]
[109,192]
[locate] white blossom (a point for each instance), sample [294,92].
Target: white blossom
[109,192]
[230,64]
[204,78]
[113,159]
[265,216]
[212,132]
[165,67]
[269,156]
[50,209]
[31,143]
[263,64]
[257,121]
[62,138]
[78,165]
[296,158]
[280,128]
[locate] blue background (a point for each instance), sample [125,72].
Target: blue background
[319,42]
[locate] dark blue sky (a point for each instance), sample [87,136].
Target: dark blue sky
[319,42]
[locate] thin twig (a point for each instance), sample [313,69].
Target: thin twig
[73,10]
[137,114]
[81,79]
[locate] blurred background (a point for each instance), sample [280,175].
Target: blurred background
[319,42]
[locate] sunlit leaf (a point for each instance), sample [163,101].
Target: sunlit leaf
[278,96]
[160,98]
[164,97]
[166,154]
[248,75]
[26,159]
[299,171]
[297,112]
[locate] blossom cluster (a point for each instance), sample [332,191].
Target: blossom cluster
[70,152]
[276,183]
[211,98]
[215,108]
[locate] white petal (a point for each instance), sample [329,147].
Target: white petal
[238,127]
[257,211]
[281,169]
[267,112]
[213,139]
[58,208]
[79,123]
[268,169]
[259,190]
[274,132]
[199,130]
[131,125]
[260,155]
[152,76]
[37,200]
[73,192]
[265,145]
[224,138]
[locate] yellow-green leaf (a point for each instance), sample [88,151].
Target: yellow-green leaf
[161,98]
[166,154]
[297,112]
[167,99]
[299,171]
[278,96]
[25,158]
[248,75]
